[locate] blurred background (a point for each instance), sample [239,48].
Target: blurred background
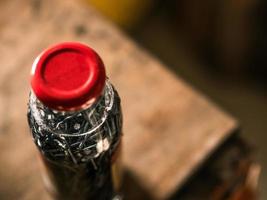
[220,47]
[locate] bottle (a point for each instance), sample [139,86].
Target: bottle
[75,118]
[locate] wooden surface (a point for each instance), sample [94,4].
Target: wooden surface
[169,129]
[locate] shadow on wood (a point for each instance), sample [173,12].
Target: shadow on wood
[132,189]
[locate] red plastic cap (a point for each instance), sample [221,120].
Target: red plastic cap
[68,76]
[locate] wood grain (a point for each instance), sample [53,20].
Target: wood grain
[169,127]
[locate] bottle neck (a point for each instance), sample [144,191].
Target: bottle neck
[95,112]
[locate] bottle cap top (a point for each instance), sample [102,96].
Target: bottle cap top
[68,76]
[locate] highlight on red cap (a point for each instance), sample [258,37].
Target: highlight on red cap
[68,76]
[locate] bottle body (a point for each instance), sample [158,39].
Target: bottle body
[79,148]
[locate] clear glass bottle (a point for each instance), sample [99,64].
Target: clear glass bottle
[80,147]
